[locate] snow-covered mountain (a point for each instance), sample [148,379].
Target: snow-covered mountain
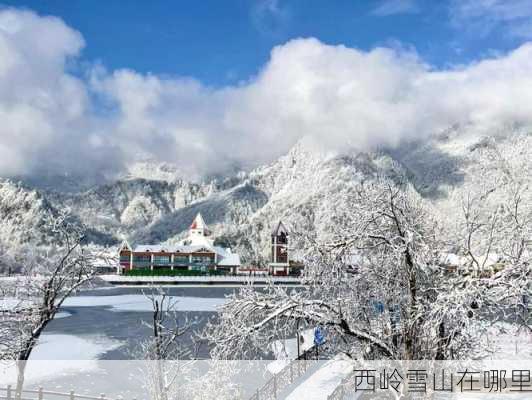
[22,214]
[153,204]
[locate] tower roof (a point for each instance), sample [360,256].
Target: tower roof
[125,246]
[279,228]
[199,223]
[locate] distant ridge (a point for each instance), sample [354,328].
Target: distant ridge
[303,188]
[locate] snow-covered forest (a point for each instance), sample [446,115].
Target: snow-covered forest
[303,188]
[433,238]
[413,255]
[253,200]
[418,252]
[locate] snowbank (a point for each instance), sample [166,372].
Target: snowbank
[139,302]
[242,279]
[323,382]
[60,355]
[513,343]
[286,350]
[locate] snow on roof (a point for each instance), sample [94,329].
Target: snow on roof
[223,253]
[196,240]
[490,259]
[230,260]
[194,243]
[151,248]
[279,228]
[173,249]
[486,260]
[451,259]
[352,259]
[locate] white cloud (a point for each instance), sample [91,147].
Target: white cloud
[392,7]
[43,109]
[340,97]
[269,16]
[483,16]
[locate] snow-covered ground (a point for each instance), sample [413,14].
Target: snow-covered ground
[62,314]
[286,350]
[9,303]
[131,302]
[139,302]
[514,343]
[70,347]
[60,356]
[322,382]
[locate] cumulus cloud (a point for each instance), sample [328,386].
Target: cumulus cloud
[43,108]
[341,98]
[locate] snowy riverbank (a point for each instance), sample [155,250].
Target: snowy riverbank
[200,280]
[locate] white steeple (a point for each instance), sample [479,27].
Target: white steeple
[124,246]
[199,227]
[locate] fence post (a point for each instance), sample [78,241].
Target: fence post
[275,386]
[8,392]
[39,393]
[291,372]
[72,397]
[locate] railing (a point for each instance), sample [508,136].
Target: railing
[346,390]
[8,393]
[341,390]
[287,376]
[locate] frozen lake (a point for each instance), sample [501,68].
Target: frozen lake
[90,346]
[108,323]
[105,324]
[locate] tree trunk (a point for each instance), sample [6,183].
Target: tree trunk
[160,380]
[161,387]
[22,360]
[411,327]
[440,352]
[21,369]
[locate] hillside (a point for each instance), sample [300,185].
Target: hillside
[302,188]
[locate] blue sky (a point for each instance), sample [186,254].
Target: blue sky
[224,42]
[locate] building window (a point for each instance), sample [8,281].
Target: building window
[141,258]
[159,260]
[282,255]
[124,259]
[141,261]
[203,260]
[181,260]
